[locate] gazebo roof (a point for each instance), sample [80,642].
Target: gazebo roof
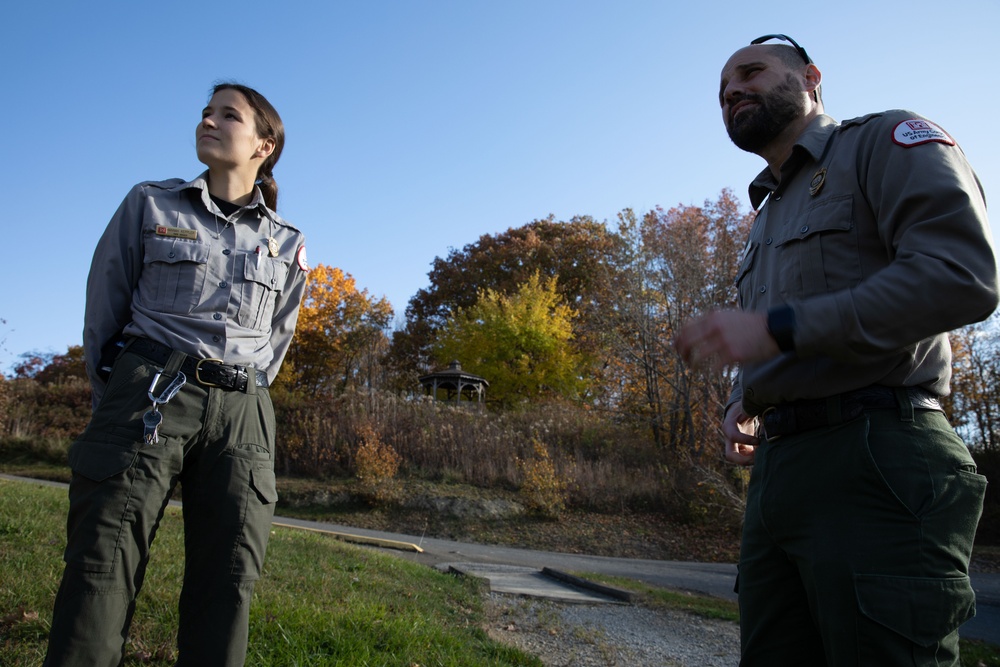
[454,376]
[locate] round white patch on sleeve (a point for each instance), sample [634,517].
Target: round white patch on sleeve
[918,131]
[301,258]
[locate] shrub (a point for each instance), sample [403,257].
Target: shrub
[608,464]
[542,488]
[375,467]
[708,496]
[50,410]
[20,449]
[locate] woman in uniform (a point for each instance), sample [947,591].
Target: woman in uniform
[192,300]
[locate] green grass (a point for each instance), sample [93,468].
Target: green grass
[656,598]
[979,654]
[51,471]
[320,602]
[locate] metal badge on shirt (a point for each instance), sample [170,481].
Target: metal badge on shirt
[816,184]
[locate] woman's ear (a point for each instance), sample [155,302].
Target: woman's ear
[265,148]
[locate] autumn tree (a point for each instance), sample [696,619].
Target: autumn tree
[520,342]
[340,337]
[3,335]
[672,265]
[51,367]
[637,331]
[49,396]
[574,251]
[5,401]
[974,403]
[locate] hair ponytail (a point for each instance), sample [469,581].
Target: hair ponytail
[269,189]
[268,126]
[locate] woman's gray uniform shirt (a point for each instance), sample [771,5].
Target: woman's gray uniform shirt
[173,268]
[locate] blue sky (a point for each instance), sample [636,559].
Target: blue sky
[415,127]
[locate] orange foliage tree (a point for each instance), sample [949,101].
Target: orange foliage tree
[340,337]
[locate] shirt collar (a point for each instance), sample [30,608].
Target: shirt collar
[201,183]
[812,143]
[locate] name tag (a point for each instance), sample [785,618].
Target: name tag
[177,232]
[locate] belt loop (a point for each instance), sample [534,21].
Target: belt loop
[251,381]
[174,363]
[905,404]
[834,415]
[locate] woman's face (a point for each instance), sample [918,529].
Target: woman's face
[226,137]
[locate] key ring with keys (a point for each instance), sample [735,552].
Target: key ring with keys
[153,418]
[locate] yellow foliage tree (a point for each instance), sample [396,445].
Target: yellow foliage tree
[522,343]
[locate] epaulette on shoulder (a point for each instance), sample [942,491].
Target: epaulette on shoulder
[890,116]
[163,185]
[278,220]
[861,120]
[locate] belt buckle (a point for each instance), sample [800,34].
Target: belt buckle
[763,416]
[197,372]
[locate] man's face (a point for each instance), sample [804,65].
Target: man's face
[759,96]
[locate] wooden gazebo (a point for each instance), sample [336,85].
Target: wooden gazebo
[455,382]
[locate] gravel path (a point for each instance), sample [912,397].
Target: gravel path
[583,635]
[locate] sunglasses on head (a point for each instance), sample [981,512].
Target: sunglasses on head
[785,38]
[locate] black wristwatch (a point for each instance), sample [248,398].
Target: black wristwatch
[781,324]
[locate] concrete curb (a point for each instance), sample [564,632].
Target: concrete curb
[603,589]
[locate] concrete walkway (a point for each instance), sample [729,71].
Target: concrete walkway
[714,579]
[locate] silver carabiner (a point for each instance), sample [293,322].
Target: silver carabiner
[169,392]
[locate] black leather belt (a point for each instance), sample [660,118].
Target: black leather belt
[789,418]
[206,372]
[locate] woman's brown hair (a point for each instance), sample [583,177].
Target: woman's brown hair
[269,126]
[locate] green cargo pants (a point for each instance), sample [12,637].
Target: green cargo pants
[856,545]
[220,446]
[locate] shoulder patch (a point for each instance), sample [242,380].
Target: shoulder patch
[303,262]
[916,131]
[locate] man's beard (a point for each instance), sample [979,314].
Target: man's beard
[758,126]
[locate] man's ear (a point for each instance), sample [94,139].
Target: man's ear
[813,77]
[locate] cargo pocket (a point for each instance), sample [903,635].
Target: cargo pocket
[924,610]
[260,496]
[99,498]
[97,461]
[264,482]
